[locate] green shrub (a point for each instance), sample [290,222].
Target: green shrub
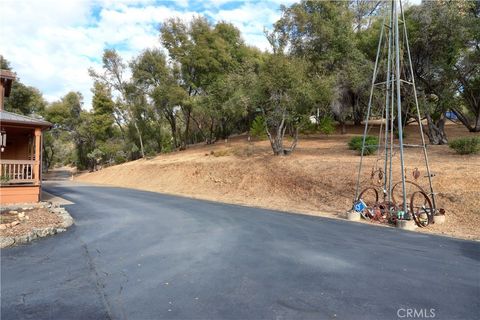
[259,128]
[96,155]
[466,145]
[167,143]
[120,157]
[371,144]
[4,178]
[327,125]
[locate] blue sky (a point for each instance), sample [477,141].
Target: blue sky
[52,43]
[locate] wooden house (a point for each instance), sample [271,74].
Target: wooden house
[21,151]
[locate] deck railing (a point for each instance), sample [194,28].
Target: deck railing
[17,171]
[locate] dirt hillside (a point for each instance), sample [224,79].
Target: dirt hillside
[318,178]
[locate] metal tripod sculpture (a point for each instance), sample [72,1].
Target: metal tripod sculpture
[419,205]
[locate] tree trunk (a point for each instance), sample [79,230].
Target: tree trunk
[173,128]
[277,147]
[211,131]
[276,141]
[466,122]
[225,132]
[139,138]
[295,140]
[122,130]
[187,113]
[477,125]
[436,130]
[48,158]
[344,128]
[357,112]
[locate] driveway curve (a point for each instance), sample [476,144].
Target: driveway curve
[140,255]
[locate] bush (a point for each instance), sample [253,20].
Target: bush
[259,128]
[371,144]
[466,145]
[96,155]
[327,125]
[120,157]
[167,143]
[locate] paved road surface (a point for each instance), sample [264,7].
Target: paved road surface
[141,255]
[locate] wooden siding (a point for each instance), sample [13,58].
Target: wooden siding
[19,194]
[18,147]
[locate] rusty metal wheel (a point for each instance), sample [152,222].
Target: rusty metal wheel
[421,209]
[370,197]
[397,191]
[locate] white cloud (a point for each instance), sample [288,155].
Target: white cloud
[251,18]
[52,43]
[182,3]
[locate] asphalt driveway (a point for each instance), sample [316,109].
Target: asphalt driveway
[141,255]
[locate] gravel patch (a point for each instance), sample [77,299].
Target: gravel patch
[23,224]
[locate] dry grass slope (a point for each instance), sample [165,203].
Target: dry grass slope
[318,179]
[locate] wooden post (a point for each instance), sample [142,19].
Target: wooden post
[38,150]
[31,151]
[2,93]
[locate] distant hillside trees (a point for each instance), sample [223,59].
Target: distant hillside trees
[204,83]
[446,62]
[210,62]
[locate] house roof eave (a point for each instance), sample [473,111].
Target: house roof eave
[7,118]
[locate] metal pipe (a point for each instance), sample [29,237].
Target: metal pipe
[375,70]
[392,84]
[405,81]
[418,109]
[399,107]
[387,107]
